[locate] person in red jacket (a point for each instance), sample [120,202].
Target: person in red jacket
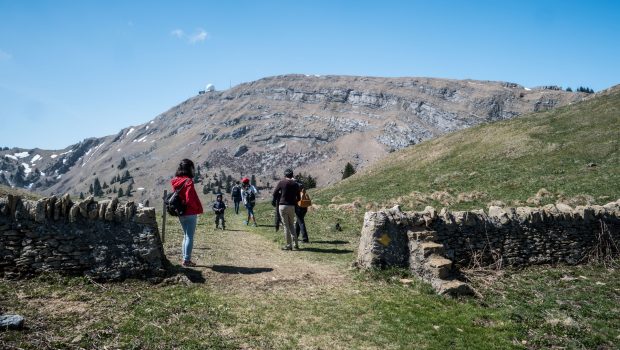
[184,178]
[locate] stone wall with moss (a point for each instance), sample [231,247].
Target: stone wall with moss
[104,240]
[434,245]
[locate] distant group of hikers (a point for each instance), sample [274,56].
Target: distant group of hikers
[289,198]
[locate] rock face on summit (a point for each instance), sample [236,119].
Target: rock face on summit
[314,124]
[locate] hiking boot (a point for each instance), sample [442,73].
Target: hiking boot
[287,247]
[246,222]
[188,263]
[305,240]
[296,246]
[255,225]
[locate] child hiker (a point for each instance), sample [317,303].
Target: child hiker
[248,193]
[218,208]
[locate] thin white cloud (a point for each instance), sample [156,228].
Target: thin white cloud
[198,36]
[177,33]
[5,56]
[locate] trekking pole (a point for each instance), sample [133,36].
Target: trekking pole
[163,219]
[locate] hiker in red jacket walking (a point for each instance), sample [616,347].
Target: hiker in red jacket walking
[184,179]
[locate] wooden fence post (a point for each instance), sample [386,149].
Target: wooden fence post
[163,219]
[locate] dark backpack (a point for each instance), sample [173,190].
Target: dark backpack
[250,197]
[174,204]
[236,192]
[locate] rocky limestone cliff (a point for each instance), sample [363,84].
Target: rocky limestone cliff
[314,124]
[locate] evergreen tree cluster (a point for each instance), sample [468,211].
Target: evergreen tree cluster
[98,190]
[587,90]
[306,179]
[121,179]
[21,179]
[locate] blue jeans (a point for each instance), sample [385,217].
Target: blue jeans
[250,209]
[237,201]
[188,222]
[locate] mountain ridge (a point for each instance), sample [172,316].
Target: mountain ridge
[312,123]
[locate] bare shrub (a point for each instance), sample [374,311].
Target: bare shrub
[605,250]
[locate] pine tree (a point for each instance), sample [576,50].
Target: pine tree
[125,177]
[97,188]
[81,195]
[20,176]
[205,189]
[568,89]
[105,185]
[197,175]
[120,192]
[348,170]
[228,187]
[253,180]
[122,164]
[114,190]
[90,189]
[129,190]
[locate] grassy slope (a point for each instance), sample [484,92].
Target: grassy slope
[508,161]
[5,190]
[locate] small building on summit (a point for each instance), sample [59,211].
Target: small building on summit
[208,88]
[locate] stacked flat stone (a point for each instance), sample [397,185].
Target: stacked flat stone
[434,245]
[106,240]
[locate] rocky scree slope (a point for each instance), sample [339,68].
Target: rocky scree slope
[314,124]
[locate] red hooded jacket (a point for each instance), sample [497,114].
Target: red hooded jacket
[188,194]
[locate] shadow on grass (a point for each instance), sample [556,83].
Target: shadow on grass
[327,251]
[193,275]
[336,241]
[240,269]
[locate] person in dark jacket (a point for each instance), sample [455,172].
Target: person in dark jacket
[218,208]
[248,193]
[286,194]
[183,179]
[300,213]
[236,196]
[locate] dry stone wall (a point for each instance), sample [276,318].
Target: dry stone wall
[105,240]
[435,244]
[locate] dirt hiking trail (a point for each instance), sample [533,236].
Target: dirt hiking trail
[240,261]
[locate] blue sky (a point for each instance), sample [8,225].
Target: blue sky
[76,69]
